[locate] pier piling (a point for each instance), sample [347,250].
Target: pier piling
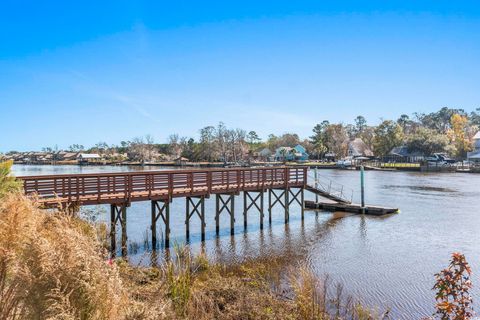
[160,209]
[226,203]
[253,199]
[197,207]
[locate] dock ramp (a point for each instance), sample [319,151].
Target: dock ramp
[329,189]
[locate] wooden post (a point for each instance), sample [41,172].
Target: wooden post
[154,225]
[113,222]
[303,203]
[287,205]
[245,209]
[270,206]
[316,183]
[217,214]
[124,230]
[202,216]
[187,220]
[232,215]
[261,209]
[167,223]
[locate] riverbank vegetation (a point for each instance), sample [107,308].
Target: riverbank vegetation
[448,130]
[54,266]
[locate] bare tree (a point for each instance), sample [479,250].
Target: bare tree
[221,139]
[175,147]
[207,143]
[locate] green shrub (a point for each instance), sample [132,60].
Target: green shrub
[8,183]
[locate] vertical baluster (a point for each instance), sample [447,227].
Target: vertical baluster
[239,175]
[209,182]
[98,188]
[170,186]
[150,185]
[125,186]
[228,180]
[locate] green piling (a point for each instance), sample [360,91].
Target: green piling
[362,187]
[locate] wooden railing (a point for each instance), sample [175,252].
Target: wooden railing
[153,185]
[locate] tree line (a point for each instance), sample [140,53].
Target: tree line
[447,130]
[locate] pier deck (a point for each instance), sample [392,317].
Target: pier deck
[126,187]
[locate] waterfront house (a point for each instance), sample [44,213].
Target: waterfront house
[330,156]
[69,156]
[474,156]
[359,149]
[89,158]
[402,154]
[264,155]
[181,161]
[297,153]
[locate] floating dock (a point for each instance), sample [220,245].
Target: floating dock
[349,207]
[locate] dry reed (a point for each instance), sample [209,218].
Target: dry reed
[54,266]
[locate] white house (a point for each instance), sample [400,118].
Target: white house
[475,154]
[85,158]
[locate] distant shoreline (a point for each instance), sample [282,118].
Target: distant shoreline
[395,167]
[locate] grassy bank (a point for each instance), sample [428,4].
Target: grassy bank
[55,266]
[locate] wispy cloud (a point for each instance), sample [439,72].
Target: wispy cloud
[99,89]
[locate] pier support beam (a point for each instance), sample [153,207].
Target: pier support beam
[195,205]
[225,202]
[298,197]
[160,209]
[282,199]
[250,199]
[118,212]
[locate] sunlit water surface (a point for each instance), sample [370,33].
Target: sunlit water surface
[386,261]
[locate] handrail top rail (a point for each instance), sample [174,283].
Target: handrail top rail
[150,172]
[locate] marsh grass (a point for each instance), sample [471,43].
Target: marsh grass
[54,266]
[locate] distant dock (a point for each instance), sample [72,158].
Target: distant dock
[349,207]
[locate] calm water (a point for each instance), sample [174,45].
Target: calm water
[387,261]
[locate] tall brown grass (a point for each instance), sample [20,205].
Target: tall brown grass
[53,267]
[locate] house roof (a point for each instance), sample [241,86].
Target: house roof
[403,152]
[70,154]
[300,148]
[358,148]
[265,152]
[89,156]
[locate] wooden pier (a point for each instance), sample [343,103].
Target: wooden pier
[284,185]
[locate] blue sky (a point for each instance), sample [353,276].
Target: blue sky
[89,72]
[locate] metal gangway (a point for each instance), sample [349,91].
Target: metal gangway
[329,189]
